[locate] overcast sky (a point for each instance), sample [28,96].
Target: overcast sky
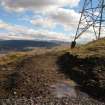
[40,19]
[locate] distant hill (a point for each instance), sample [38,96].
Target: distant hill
[24,45]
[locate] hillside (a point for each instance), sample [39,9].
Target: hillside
[94,48]
[77,72]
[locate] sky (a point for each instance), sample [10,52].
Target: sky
[40,20]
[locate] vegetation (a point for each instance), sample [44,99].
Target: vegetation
[12,57]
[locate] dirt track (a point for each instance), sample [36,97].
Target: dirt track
[34,76]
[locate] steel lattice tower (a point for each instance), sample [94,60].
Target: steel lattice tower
[92,18]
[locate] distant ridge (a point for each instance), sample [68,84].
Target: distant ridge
[20,45]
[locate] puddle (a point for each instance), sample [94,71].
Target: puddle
[67,89]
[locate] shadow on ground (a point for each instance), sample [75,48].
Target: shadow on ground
[87,72]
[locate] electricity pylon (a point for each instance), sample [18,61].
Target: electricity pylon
[92,18]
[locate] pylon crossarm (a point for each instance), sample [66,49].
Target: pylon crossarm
[92,16]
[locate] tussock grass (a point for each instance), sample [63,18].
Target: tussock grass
[11,58]
[95,48]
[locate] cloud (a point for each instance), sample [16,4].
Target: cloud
[12,28]
[12,36]
[43,22]
[67,18]
[51,13]
[20,5]
[3,24]
[21,32]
